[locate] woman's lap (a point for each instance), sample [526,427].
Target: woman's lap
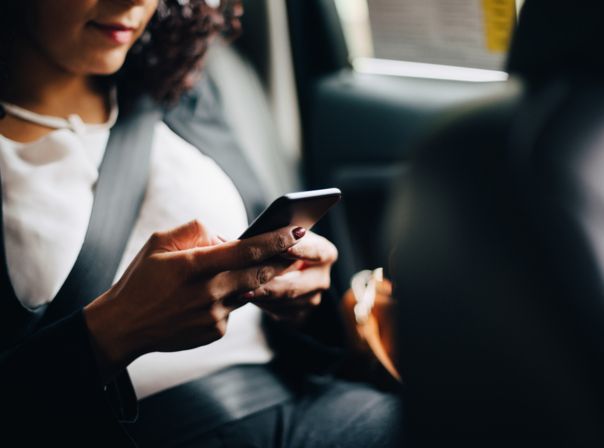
[328,414]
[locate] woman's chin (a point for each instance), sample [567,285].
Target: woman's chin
[104,65]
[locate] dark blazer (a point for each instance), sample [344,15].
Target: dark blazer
[50,388]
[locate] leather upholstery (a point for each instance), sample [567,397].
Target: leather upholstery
[500,256]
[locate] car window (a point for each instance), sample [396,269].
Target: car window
[463,33]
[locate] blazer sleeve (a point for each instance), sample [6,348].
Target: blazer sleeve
[51,391]
[319,346]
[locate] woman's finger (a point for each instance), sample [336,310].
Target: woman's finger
[240,254]
[188,236]
[293,285]
[237,283]
[203,330]
[314,249]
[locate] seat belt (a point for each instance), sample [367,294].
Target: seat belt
[119,192]
[123,178]
[199,119]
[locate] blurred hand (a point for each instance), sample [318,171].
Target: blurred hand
[292,294]
[173,295]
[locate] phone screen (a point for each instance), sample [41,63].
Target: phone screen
[304,209]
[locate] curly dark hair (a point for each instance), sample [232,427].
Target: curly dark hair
[165,61]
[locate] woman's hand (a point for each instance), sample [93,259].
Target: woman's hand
[173,295]
[294,293]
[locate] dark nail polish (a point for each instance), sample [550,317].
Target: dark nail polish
[249,295]
[299,232]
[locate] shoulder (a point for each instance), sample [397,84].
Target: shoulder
[168,146]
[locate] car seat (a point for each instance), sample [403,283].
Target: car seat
[254,80]
[500,250]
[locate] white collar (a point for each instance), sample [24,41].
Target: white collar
[73,122]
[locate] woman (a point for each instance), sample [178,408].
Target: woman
[66,66]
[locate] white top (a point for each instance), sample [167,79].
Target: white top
[48,188]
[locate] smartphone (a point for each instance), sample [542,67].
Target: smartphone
[303,209]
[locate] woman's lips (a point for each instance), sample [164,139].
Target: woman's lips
[116,32]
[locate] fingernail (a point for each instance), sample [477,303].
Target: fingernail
[249,295]
[221,238]
[299,232]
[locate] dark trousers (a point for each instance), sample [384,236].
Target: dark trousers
[323,413]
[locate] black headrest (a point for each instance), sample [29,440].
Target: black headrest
[254,40]
[558,37]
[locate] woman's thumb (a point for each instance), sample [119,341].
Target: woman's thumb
[189,235]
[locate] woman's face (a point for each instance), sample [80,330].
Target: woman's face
[87,37]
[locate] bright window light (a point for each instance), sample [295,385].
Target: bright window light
[430,71]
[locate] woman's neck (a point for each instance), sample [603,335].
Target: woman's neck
[34,83]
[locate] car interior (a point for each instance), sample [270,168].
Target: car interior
[482,198]
[310,115]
